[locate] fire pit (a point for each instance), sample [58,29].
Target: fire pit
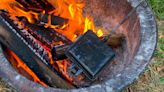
[132,56]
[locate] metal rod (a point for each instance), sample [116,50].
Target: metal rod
[122,21]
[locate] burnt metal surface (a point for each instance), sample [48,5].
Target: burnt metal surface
[141,39]
[90,54]
[35,57]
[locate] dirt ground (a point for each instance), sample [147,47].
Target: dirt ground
[151,81]
[4,87]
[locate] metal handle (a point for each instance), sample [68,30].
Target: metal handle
[122,21]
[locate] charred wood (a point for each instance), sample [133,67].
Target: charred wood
[55,20]
[47,36]
[36,5]
[116,40]
[58,52]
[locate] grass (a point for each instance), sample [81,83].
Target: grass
[158,7]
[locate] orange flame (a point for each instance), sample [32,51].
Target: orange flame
[62,67]
[16,9]
[78,24]
[69,9]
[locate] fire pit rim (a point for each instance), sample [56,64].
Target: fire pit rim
[113,84]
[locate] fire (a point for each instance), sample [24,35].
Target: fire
[69,9]
[16,9]
[19,64]
[62,67]
[78,24]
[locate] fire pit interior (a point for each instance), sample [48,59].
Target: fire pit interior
[38,36]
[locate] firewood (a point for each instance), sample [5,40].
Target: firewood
[55,20]
[47,36]
[36,5]
[115,40]
[58,52]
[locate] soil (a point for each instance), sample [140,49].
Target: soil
[5,87]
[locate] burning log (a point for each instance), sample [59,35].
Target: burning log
[36,5]
[46,35]
[52,19]
[115,40]
[11,37]
[58,52]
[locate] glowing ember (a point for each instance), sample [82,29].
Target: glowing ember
[62,67]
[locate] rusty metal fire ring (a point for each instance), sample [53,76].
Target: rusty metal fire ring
[148,41]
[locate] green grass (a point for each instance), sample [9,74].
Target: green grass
[158,7]
[159,53]
[162,80]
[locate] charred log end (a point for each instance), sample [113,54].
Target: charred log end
[55,20]
[59,52]
[116,40]
[36,5]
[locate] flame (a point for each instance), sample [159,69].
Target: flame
[16,9]
[72,10]
[100,33]
[78,24]
[63,68]
[21,65]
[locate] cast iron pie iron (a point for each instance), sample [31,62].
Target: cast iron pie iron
[91,54]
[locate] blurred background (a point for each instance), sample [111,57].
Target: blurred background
[152,80]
